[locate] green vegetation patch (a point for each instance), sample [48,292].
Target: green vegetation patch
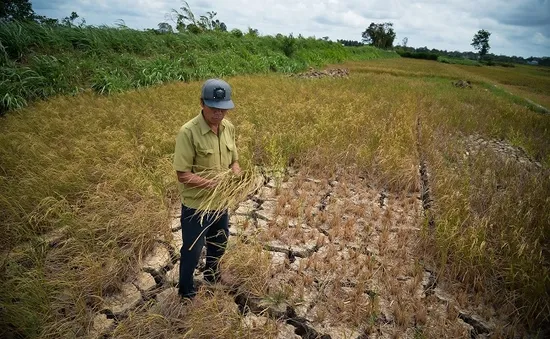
[39,60]
[458,61]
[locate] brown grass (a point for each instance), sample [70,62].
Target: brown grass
[245,265]
[101,166]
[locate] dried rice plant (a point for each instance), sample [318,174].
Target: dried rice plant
[231,189]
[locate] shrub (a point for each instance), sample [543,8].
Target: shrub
[288,45]
[499,63]
[458,61]
[418,55]
[237,33]
[19,84]
[110,81]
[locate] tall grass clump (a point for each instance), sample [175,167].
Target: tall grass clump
[318,131]
[97,176]
[491,211]
[41,60]
[492,230]
[171,318]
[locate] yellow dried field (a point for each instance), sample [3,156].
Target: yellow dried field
[396,205]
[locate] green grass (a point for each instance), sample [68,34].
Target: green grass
[39,61]
[534,79]
[516,99]
[530,82]
[518,84]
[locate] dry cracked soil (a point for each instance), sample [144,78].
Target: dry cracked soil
[344,263]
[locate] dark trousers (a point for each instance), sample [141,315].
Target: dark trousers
[215,236]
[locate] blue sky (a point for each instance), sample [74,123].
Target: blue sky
[517,27]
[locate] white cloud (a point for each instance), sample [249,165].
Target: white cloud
[518,27]
[541,39]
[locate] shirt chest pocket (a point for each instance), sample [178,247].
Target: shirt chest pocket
[227,154]
[205,158]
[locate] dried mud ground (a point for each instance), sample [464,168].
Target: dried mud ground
[308,257]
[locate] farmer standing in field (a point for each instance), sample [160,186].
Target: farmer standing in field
[205,145]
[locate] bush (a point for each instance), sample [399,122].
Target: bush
[288,45]
[458,61]
[194,29]
[237,33]
[418,55]
[498,63]
[110,81]
[18,85]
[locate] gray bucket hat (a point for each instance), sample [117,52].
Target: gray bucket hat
[217,93]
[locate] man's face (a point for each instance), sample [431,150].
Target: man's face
[212,115]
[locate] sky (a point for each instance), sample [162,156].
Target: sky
[518,27]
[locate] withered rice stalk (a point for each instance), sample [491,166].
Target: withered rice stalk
[228,193]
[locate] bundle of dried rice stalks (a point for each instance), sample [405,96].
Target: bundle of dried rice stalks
[228,193]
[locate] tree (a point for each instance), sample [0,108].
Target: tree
[405,41]
[16,10]
[252,32]
[185,20]
[22,10]
[481,42]
[44,20]
[164,28]
[288,45]
[206,22]
[219,26]
[350,43]
[70,20]
[236,33]
[192,28]
[379,35]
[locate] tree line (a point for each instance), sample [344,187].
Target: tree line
[382,35]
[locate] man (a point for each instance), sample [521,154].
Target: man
[204,145]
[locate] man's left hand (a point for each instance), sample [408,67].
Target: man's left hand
[236,168]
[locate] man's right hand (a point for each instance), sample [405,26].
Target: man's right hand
[194,180]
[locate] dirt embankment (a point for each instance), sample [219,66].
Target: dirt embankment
[332,72]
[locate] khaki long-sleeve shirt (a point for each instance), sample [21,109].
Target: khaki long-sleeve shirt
[201,151]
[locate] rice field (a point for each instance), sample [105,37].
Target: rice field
[99,168]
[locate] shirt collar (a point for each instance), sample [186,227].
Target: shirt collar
[204,125]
